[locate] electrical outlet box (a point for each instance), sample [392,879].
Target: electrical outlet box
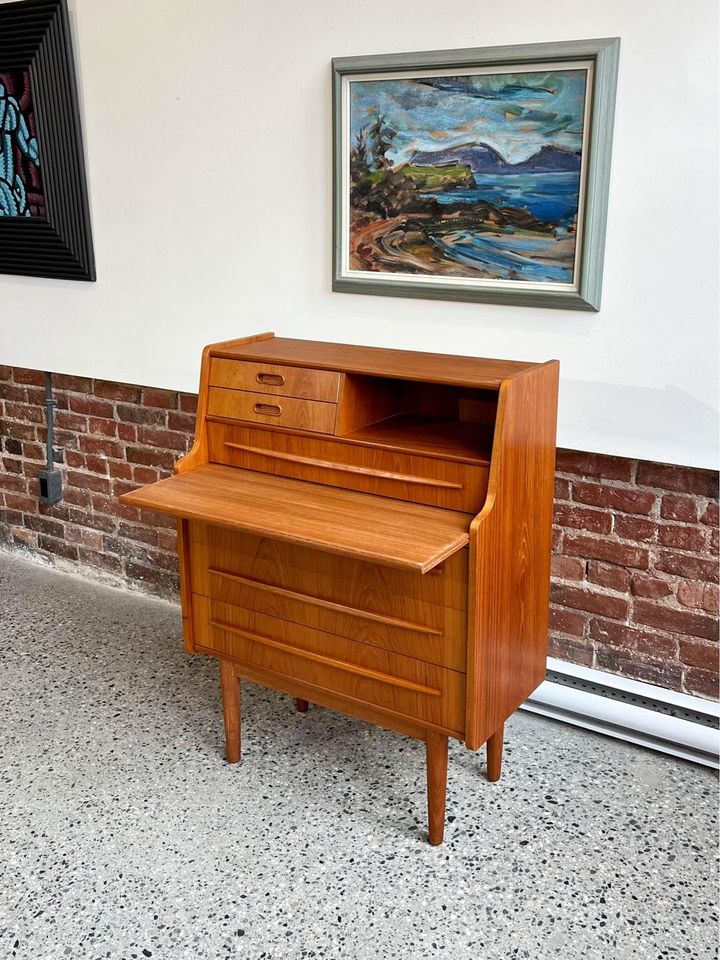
[50,486]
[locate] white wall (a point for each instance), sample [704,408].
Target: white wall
[207,131]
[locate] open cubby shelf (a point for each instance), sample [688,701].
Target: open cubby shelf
[434,436]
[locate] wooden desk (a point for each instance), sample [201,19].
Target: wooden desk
[369,530]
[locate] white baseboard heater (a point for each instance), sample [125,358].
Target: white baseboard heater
[640,713]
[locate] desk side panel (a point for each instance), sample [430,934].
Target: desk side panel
[510,545]
[198,454]
[185,565]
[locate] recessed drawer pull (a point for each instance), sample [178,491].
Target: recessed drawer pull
[360,671]
[268,409]
[274,379]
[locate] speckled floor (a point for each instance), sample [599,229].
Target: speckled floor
[125,834]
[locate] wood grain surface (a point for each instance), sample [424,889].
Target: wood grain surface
[443,642]
[388,591]
[410,536]
[326,697]
[369,530]
[510,544]
[432,436]
[277,411]
[198,454]
[436,750]
[379,361]
[230,687]
[275,379]
[384,471]
[410,687]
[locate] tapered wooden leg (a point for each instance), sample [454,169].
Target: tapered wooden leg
[494,755]
[436,748]
[230,686]
[302,705]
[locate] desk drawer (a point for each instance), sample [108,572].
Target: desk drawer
[397,593]
[437,634]
[275,379]
[418,690]
[278,411]
[403,476]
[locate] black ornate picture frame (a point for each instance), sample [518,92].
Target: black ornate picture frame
[44,213]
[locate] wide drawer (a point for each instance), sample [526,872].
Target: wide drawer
[275,379]
[438,635]
[409,596]
[418,690]
[404,476]
[279,411]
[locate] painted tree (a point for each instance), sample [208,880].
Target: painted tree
[381,137]
[359,163]
[375,185]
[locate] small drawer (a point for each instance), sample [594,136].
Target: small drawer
[278,411]
[275,379]
[421,691]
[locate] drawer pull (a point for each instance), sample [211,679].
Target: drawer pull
[345,467]
[272,379]
[329,661]
[268,409]
[327,604]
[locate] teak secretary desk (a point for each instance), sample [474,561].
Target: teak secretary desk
[369,530]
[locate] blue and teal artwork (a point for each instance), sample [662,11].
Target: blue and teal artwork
[474,177]
[21,192]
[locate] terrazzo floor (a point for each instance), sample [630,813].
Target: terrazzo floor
[124,834]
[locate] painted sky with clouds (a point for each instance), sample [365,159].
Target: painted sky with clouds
[516,113]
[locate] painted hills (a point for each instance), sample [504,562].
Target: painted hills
[482,158]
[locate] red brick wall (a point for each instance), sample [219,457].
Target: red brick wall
[635,571]
[113,437]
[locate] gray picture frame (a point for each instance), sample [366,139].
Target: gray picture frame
[586,295]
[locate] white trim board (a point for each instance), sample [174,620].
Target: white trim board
[640,713]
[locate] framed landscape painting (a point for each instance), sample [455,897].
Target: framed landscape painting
[475,174]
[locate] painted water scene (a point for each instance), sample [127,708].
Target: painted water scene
[474,177]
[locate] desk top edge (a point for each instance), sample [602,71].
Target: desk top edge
[377,361]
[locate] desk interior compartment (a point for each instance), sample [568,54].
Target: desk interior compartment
[435,419]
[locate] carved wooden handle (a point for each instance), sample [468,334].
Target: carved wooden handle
[268,409]
[275,379]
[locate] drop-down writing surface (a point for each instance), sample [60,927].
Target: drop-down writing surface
[360,525]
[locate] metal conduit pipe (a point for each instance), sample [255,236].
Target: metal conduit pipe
[50,479]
